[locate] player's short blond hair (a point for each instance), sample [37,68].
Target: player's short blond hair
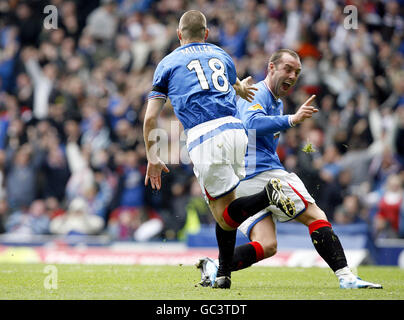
[193,25]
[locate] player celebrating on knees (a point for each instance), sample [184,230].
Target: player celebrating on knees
[289,199]
[200,80]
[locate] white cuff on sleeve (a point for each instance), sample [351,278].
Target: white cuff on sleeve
[290,121]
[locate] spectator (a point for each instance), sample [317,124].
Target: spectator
[197,212]
[387,219]
[4,212]
[96,137]
[330,168]
[128,223]
[333,194]
[53,207]
[382,167]
[175,200]
[70,22]
[399,134]
[349,211]
[24,91]
[232,38]
[21,176]
[309,163]
[130,190]
[43,80]
[55,168]
[82,176]
[3,192]
[9,46]
[77,220]
[99,195]
[32,220]
[126,136]
[29,24]
[119,108]
[102,23]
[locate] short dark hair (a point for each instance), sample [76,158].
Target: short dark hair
[193,25]
[277,55]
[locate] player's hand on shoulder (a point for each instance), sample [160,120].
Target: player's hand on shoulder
[245,89]
[153,173]
[305,111]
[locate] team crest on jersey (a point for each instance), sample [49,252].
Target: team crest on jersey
[256,107]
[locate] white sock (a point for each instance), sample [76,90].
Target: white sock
[345,273]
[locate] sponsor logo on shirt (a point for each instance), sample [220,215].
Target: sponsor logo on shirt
[256,107]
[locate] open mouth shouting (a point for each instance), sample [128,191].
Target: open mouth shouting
[286,85]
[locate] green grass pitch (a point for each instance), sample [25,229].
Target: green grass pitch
[112,282]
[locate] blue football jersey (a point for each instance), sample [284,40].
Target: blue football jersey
[264,120]
[198,78]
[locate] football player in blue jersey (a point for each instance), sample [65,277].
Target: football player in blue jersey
[201,82]
[263,118]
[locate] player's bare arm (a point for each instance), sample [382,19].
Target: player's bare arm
[305,111]
[245,89]
[154,164]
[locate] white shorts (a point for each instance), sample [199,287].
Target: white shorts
[217,149]
[293,188]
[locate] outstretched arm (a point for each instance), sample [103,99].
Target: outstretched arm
[265,124]
[154,165]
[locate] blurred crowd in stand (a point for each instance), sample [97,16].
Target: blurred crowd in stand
[72,102]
